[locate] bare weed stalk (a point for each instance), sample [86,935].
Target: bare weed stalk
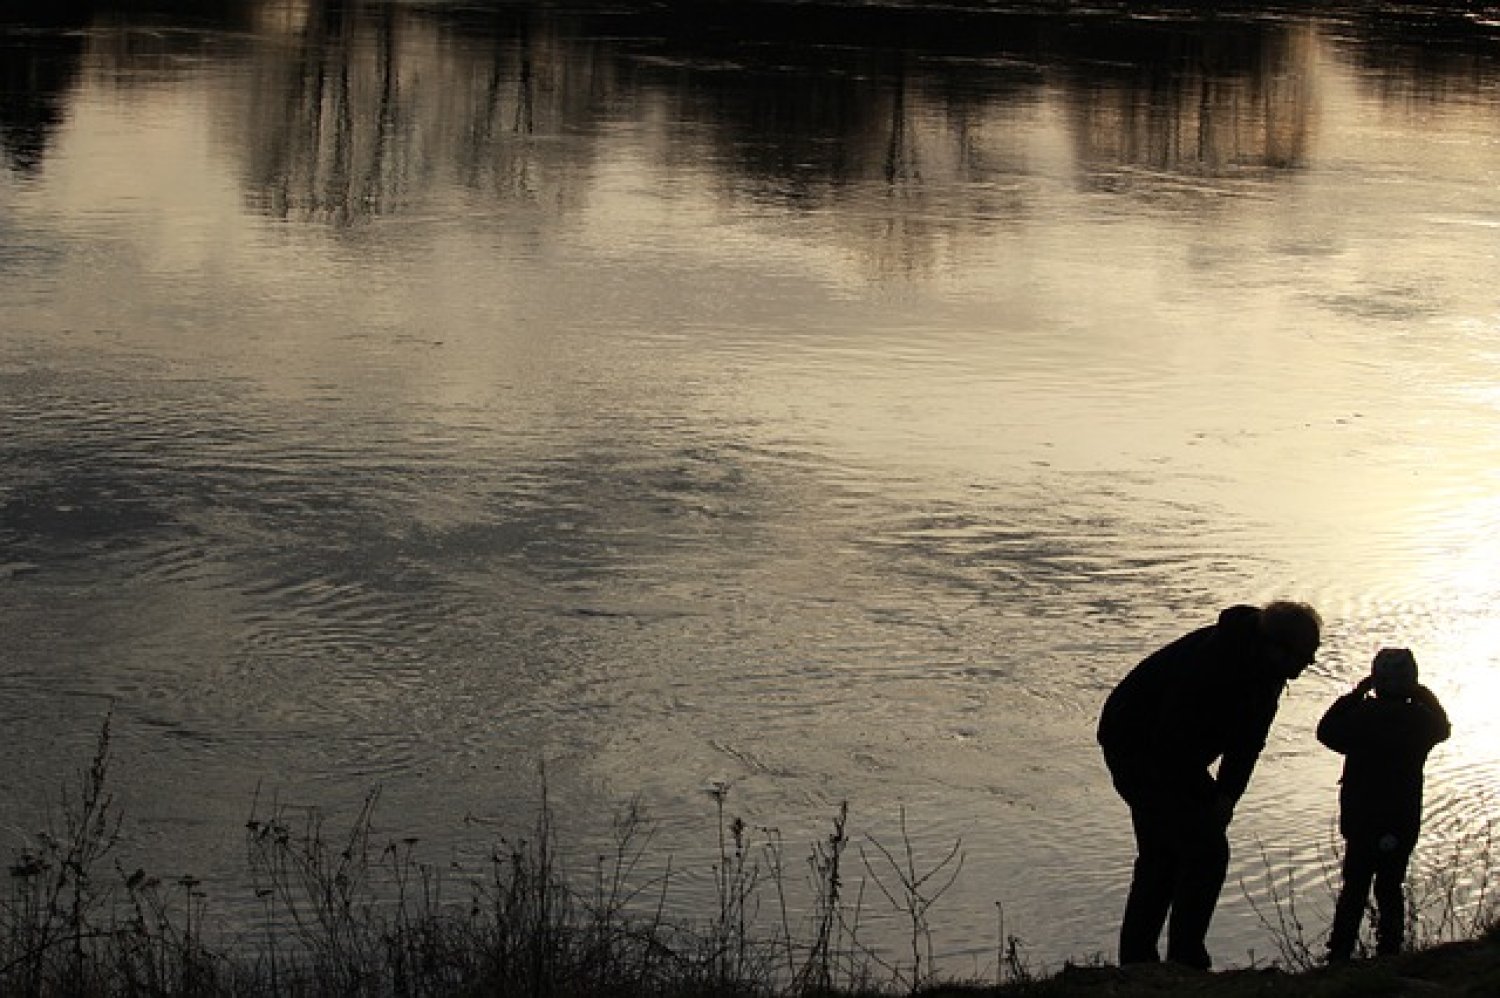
[835,957]
[1446,901]
[1278,912]
[346,910]
[1010,966]
[913,892]
[1452,899]
[51,921]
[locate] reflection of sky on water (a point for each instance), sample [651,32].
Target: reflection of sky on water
[391,397]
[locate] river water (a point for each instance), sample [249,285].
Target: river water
[817,403]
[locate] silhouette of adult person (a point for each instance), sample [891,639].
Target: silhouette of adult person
[1384,727]
[1210,695]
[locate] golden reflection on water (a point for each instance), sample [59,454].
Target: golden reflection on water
[834,418]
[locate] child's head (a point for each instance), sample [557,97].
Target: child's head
[1395,672]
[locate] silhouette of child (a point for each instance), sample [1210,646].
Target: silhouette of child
[1384,728]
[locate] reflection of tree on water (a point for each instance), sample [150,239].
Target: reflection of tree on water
[359,107]
[1208,104]
[802,102]
[36,71]
[329,145]
[1440,50]
[369,105]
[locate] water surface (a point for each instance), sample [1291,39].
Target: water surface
[827,404]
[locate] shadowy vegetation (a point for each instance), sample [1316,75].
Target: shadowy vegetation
[1448,901]
[339,911]
[343,912]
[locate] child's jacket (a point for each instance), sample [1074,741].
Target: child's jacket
[1384,742]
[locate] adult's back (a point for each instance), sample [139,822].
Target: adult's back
[1204,696]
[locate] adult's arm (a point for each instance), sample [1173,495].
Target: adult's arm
[1246,744]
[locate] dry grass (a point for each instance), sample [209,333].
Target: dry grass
[344,912]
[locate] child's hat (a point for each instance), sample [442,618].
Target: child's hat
[1396,667]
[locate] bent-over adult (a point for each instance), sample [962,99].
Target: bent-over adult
[1209,696]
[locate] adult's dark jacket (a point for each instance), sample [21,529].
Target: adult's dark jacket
[1385,742]
[1206,696]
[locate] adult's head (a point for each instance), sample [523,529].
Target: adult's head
[1290,634]
[1395,673]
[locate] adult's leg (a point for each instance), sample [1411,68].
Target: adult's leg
[1358,871]
[1203,860]
[1151,883]
[1390,898]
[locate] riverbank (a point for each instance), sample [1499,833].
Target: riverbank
[345,911]
[1465,968]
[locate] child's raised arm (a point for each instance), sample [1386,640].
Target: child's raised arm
[1440,727]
